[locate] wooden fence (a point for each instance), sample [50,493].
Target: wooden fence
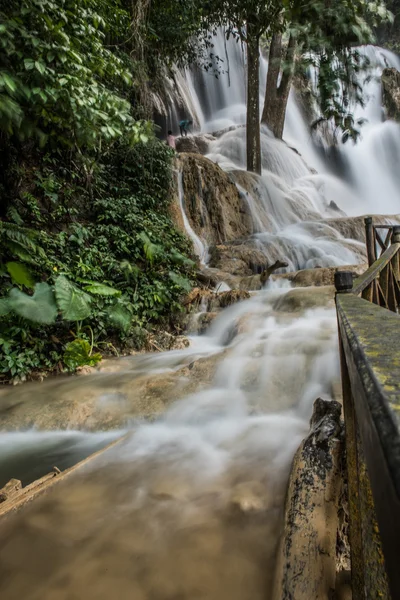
[369,338]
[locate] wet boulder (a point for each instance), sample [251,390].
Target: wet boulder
[301,299]
[319,276]
[195,144]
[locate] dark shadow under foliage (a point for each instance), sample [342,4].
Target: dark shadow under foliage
[109,224]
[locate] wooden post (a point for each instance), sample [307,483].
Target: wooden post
[370,240]
[356,542]
[396,259]
[343,282]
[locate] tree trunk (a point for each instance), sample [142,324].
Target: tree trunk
[276,96]
[253,140]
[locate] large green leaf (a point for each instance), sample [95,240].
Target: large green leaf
[102,290]
[72,302]
[20,274]
[119,316]
[77,354]
[40,308]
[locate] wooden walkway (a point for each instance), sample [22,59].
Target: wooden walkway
[369,337]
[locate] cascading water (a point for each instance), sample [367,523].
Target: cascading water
[190,506]
[290,185]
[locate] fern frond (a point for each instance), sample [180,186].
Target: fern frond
[21,241]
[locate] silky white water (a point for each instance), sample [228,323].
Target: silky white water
[189,506]
[302,187]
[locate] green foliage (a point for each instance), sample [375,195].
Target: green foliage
[40,308]
[23,351]
[79,354]
[58,79]
[179,32]
[329,36]
[20,242]
[20,274]
[72,302]
[180,281]
[102,290]
[110,267]
[388,34]
[120,317]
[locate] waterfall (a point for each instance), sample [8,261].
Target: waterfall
[297,188]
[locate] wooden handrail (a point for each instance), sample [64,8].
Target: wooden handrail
[364,280]
[370,362]
[369,341]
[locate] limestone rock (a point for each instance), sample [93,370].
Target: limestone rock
[212,201]
[163,340]
[353,227]
[225,299]
[300,299]
[241,257]
[195,144]
[204,321]
[391,93]
[208,300]
[318,277]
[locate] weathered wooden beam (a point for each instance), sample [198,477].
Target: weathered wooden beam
[355,534]
[396,259]
[42,485]
[370,240]
[384,280]
[388,237]
[306,563]
[374,271]
[368,292]
[370,337]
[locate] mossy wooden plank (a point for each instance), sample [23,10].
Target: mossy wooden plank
[370,336]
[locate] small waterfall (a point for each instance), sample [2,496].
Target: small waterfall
[199,247]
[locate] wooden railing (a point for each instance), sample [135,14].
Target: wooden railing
[383,281]
[369,338]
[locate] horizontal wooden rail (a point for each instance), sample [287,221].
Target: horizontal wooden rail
[370,360]
[369,341]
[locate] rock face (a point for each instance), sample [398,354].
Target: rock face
[391,93]
[195,144]
[213,205]
[239,257]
